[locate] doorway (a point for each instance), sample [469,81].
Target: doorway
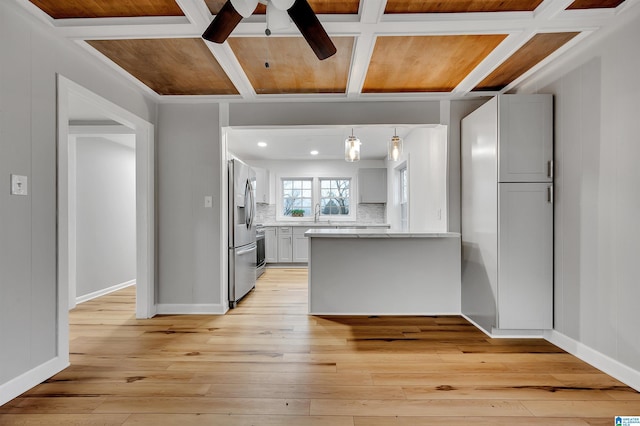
[142,132]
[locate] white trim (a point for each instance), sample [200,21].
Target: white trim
[476,325]
[223,117]
[17,386]
[104,291]
[190,309]
[145,208]
[597,359]
[398,314]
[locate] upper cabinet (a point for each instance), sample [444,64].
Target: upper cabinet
[262,185]
[372,185]
[525,134]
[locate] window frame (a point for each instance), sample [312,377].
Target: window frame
[316,197]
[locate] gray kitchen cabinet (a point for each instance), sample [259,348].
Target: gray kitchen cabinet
[262,185]
[285,244]
[525,138]
[372,185]
[525,267]
[507,214]
[271,245]
[300,244]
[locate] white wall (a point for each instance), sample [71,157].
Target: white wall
[188,233]
[425,153]
[597,210]
[31,57]
[106,214]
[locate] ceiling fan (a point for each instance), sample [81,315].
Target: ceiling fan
[299,10]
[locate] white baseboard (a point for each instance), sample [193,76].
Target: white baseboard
[597,359]
[497,333]
[190,309]
[87,297]
[16,387]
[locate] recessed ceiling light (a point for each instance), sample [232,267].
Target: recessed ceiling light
[314,152]
[262,144]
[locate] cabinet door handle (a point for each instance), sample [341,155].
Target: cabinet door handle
[550,194]
[550,169]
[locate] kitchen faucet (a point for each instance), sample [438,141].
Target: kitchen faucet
[316,213]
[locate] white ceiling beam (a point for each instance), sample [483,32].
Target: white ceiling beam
[196,11]
[229,63]
[504,50]
[371,13]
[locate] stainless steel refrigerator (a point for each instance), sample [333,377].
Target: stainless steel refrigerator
[242,231]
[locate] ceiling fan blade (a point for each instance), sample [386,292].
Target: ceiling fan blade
[224,22]
[307,22]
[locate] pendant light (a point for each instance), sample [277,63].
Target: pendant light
[352,148]
[395,147]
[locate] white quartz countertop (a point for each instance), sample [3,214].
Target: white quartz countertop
[328,224]
[375,233]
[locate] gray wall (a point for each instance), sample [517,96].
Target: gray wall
[597,232]
[188,233]
[31,57]
[106,214]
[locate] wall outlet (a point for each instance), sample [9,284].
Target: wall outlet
[19,185]
[208,201]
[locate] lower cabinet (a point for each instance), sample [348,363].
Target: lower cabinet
[271,245]
[300,245]
[285,246]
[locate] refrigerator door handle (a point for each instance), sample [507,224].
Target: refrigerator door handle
[247,250]
[247,204]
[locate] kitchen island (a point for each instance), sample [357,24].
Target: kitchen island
[383,272]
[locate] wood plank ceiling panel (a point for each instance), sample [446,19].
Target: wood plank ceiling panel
[107,8]
[293,67]
[182,66]
[595,4]
[458,6]
[425,63]
[318,6]
[535,50]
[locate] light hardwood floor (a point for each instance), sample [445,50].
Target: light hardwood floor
[269,363]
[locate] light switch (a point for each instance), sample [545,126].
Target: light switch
[208,201]
[18,185]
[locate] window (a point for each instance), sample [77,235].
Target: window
[297,197]
[335,197]
[404,199]
[309,198]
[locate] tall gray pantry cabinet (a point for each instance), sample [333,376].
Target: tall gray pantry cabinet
[507,214]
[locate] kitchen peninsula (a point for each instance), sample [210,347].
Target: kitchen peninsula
[383,272]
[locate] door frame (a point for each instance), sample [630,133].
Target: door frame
[145,204]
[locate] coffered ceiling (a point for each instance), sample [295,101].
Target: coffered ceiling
[387,49]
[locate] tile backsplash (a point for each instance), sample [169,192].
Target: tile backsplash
[366,213]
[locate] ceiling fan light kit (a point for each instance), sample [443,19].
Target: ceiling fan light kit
[298,10]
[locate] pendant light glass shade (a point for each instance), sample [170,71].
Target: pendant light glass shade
[352,149]
[395,147]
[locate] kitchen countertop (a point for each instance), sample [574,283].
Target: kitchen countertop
[325,224]
[375,233]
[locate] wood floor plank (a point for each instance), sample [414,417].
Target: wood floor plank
[63,419]
[268,362]
[495,408]
[183,405]
[466,421]
[235,420]
[608,409]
